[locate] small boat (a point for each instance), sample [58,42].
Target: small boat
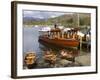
[50,57]
[66,54]
[30,60]
[69,55]
[58,38]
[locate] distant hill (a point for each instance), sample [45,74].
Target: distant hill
[67,20]
[31,19]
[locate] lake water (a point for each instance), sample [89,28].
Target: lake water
[30,39]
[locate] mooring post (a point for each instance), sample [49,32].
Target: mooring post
[80,43]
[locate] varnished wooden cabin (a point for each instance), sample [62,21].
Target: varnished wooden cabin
[59,38]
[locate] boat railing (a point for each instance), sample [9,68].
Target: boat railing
[63,35]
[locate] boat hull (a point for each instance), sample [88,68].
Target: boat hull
[60,42]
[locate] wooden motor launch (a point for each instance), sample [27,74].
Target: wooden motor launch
[60,38]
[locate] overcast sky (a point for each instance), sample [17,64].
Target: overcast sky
[42,14]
